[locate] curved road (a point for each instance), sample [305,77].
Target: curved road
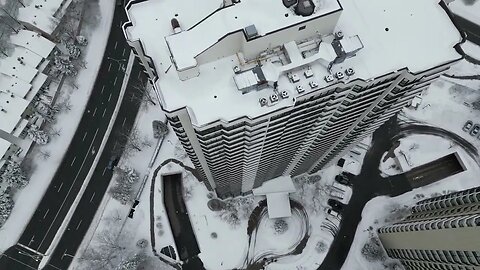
[369,184]
[70,176]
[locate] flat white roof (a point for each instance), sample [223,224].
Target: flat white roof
[469,10]
[278,205]
[40,13]
[28,57]
[34,42]
[396,34]
[14,85]
[4,145]
[279,184]
[266,15]
[13,68]
[13,108]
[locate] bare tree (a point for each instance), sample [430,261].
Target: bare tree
[143,93]
[44,154]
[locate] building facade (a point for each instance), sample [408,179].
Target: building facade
[440,233]
[278,99]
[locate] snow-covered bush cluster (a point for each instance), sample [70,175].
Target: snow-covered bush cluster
[372,250]
[73,51]
[62,65]
[13,176]
[37,135]
[237,210]
[6,206]
[311,192]
[124,182]
[280,226]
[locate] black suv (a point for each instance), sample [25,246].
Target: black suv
[336,205]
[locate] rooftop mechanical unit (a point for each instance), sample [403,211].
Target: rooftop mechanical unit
[329,78]
[313,84]
[263,101]
[273,98]
[284,94]
[339,75]
[349,71]
[300,89]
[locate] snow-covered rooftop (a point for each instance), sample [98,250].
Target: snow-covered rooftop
[41,14]
[28,57]
[14,85]
[34,42]
[469,10]
[4,145]
[395,34]
[11,110]
[14,68]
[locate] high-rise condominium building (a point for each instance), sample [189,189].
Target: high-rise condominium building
[256,89]
[441,233]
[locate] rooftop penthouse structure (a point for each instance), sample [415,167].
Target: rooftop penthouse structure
[256,89]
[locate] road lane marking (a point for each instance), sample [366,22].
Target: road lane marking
[115,82]
[84,135]
[31,240]
[109,97]
[70,189]
[109,66]
[104,169]
[124,119]
[123,53]
[46,213]
[104,111]
[73,161]
[103,88]
[94,111]
[116,43]
[93,195]
[61,184]
[78,225]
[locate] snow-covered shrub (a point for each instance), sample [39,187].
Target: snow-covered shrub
[236,210]
[6,206]
[214,235]
[280,226]
[131,263]
[37,135]
[13,176]
[81,40]
[321,247]
[142,243]
[122,191]
[311,192]
[372,250]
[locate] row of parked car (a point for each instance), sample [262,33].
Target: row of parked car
[474,130]
[336,206]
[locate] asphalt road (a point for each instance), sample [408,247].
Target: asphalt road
[71,174]
[180,222]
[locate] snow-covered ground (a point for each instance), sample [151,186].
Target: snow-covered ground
[448,104]
[43,170]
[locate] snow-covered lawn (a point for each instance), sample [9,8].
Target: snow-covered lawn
[43,170]
[445,104]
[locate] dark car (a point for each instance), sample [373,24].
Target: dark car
[342,179]
[467,126]
[475,130]
[112,163]
[336,205]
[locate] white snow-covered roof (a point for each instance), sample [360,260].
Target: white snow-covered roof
[469,10]
[11,109]
[4,145]
[279,184]
[37,83]
[278,205]
[14,85]
[28,57]
[396,34]
[34,42]
[40,13]
[13,68]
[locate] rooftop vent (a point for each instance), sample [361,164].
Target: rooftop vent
[289,3]
[273,98]
[329,78]
[338,35]
[251,31]
[300,89]
[308,73]
[339,75]
[349,71]
[263,101]
[313,84]
[294,77]
[236,70]
[175,26]
[305,8]
[284,94]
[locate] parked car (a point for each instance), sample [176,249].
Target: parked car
[332,212]
[336,205]
[342,179]
[475,130]
[112,162]
[467,126]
